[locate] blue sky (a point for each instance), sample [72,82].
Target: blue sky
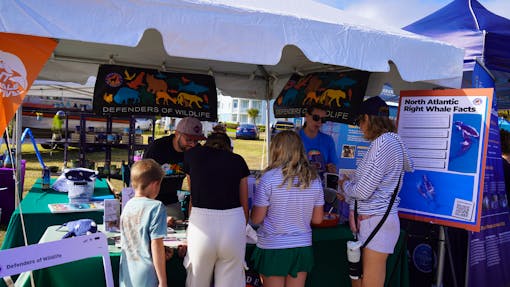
[399,13]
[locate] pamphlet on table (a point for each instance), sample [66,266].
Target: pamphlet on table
[76,207]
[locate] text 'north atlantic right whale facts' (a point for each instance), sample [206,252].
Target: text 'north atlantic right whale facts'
[446,132]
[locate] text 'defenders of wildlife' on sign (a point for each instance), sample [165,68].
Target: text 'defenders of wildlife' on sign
[124,91]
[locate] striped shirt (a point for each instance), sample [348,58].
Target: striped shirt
[289,212]
[378,174]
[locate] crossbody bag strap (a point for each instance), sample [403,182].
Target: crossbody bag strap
[374,232]
[356,217]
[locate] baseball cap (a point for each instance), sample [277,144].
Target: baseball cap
[374,106]
[191,127]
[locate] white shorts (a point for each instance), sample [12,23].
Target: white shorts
[386,238]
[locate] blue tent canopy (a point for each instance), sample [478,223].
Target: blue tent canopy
[469,25]
[483,35]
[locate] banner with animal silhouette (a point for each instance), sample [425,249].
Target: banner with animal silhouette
[124,91]
[21,59]
[340,93]
[489,249]
[447,134]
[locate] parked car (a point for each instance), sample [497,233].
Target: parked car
[143,124]
[279,126]
[247,131]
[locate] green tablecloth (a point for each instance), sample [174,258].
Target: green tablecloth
[330,269]
[329,246]
[330,265]
[89,272]
[37,216]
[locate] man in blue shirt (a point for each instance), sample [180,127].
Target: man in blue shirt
[320,147]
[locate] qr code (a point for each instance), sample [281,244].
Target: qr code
[462,209]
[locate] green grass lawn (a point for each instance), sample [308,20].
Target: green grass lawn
[253,151]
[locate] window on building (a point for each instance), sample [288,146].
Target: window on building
[245,104]
[234,118]
[234,104]
[256,105]
[243,118]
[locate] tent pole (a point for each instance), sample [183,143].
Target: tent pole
[268,131]
[18,190]
[441,257]
[269,96]
[468,250]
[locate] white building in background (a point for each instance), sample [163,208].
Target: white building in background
[236,110]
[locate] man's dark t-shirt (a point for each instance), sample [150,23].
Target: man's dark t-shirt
[163,152]
[215,177]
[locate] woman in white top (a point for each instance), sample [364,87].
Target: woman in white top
[372,186]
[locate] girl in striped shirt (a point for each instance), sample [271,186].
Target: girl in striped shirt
[372,186]
[287,199]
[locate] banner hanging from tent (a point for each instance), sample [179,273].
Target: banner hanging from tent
[21,59]
[124,91]
[489,249]
[340,93]
[446,132]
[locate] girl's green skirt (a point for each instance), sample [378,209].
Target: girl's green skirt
[283,262]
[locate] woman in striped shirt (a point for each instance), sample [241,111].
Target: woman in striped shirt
[287,199]
[372,186]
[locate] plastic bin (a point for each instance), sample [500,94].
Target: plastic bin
[80,191]
[80,184]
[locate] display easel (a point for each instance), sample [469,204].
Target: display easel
[443,246]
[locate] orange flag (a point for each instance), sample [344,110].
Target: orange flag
[21,59]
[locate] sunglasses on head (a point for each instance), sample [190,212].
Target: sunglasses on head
[318,118]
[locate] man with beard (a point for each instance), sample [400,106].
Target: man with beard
[169,153]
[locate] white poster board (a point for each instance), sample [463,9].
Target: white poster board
[446,132]
[38,256]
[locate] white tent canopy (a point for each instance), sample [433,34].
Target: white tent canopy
[244,44]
